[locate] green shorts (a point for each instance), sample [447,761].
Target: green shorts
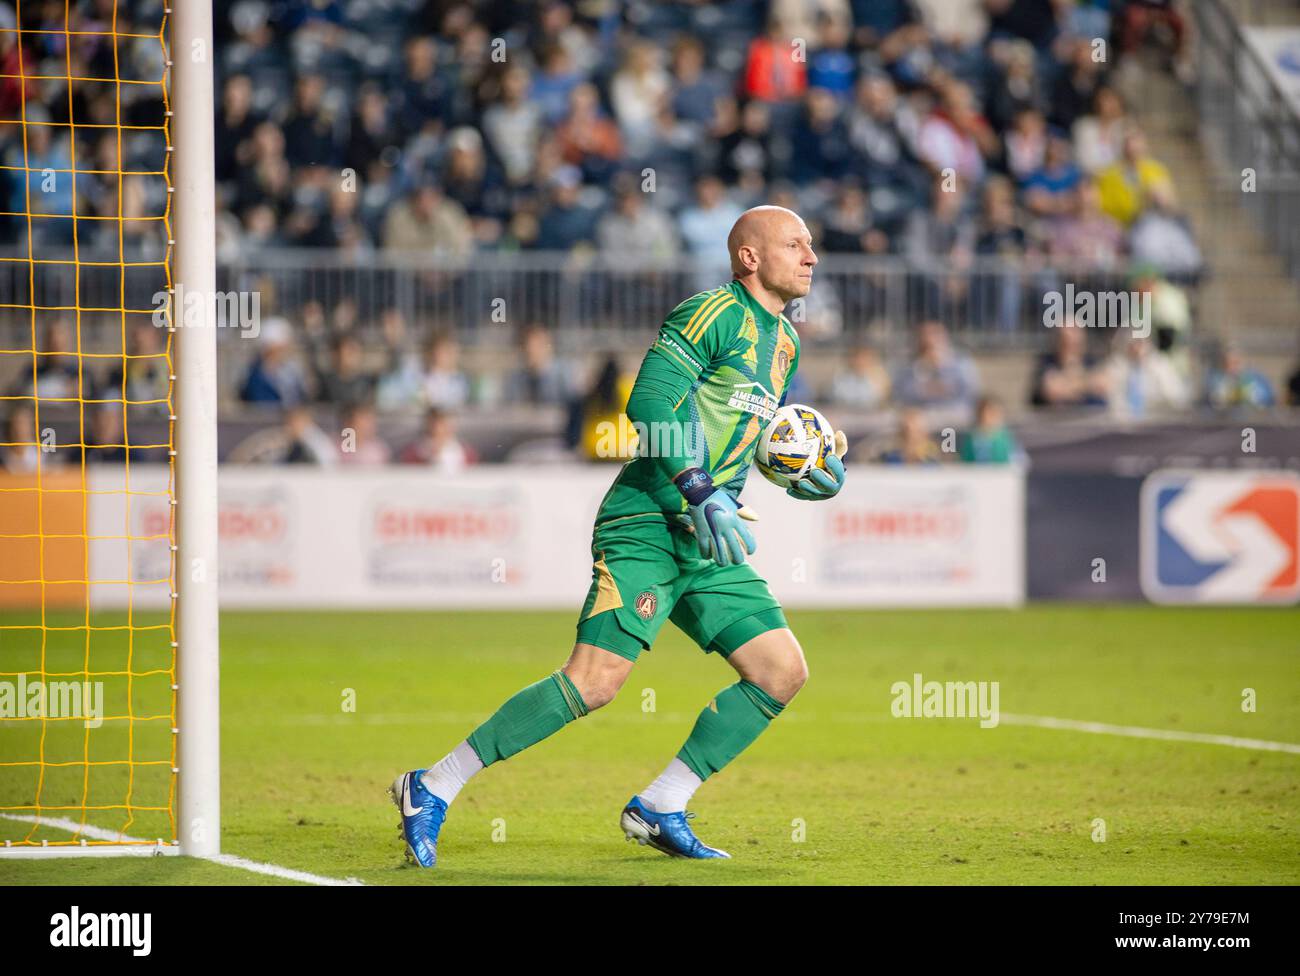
[647,572]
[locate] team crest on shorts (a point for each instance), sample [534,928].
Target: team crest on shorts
[646,604]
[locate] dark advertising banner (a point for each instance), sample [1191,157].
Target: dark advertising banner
[1190,513]
[1074,520]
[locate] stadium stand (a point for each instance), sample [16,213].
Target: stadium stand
[390,170]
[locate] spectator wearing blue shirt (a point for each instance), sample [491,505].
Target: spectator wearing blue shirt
[695,90]
[939,377]
[276,376]
[862,383]
[830,66]
[1232,384]
[875,20]
[49,178]
[553,85]
[704,227]
[567,221]
[1049,191]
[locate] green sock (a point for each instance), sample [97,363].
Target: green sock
[527,718]
[727,726]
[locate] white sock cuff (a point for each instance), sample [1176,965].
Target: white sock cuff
[445,778]
[672,790]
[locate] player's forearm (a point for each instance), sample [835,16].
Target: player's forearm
[652,407]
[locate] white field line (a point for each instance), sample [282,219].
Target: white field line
[1137,732]
[229,860]
[1035,721]
[275,871]
[852,718]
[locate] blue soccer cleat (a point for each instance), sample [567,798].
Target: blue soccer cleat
[667,832]
[422,817]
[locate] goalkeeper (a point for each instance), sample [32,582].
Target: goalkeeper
[670,543]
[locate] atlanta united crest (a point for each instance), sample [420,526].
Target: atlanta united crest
[646,604]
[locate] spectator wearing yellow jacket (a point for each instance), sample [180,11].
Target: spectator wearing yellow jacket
[1126,184]
[604,432]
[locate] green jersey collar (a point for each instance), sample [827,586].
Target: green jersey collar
[762,316]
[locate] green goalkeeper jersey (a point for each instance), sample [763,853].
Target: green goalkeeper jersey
[710,382]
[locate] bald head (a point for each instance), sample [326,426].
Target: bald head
[771,254]
[758,226]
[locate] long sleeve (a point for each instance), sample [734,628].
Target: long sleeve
[694,336]
[659,388]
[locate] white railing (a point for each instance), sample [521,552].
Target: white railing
[592,303]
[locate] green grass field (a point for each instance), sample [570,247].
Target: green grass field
[881,800]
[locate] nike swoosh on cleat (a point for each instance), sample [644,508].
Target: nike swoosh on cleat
[652,831]
[407,809]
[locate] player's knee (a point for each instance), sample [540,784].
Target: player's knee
[598,677]
[774,662]
[598,691]
[788,677]
[781,678]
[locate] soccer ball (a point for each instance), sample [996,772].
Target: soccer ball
[796,440]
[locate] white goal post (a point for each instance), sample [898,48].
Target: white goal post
[198,822]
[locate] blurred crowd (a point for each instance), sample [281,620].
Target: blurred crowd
[937,130]
[364,395]
[117,148]
[1124,371]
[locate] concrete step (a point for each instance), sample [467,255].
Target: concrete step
[1248,290]
[1265,13]
[1252,286]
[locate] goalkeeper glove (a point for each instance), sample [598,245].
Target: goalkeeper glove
[716,519]
[822,484]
